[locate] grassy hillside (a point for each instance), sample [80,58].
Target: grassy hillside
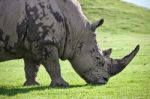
[125,26]
[119,17]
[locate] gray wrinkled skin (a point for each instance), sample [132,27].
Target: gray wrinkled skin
[42,31]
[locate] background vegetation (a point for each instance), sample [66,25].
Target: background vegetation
[125,26]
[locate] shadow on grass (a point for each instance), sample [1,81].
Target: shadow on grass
[22,90]
[13,91]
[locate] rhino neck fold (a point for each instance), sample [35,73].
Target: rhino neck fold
[72,39]
[75,22]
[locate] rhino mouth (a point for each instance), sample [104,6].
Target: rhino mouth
[100,81]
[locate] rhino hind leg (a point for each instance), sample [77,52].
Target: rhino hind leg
[52,66]
[31,69]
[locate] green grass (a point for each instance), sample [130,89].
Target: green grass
[125,27]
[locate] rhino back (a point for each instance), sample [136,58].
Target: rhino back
[28,21]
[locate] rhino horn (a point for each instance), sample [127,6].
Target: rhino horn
[97,24]
[107,52]
[119,64]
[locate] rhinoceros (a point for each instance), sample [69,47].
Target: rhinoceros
[44,31]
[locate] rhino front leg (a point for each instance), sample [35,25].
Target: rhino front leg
[31,69]
[52,66]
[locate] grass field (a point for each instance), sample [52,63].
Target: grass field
[125,26]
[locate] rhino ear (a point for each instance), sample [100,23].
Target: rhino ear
[107,52]
[97,24]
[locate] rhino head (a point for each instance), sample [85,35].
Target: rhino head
[92,64]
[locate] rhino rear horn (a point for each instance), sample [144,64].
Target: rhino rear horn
[97,24]
[119,64]
[107,52]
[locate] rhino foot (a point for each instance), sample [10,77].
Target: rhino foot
[59,84]
[31,83]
